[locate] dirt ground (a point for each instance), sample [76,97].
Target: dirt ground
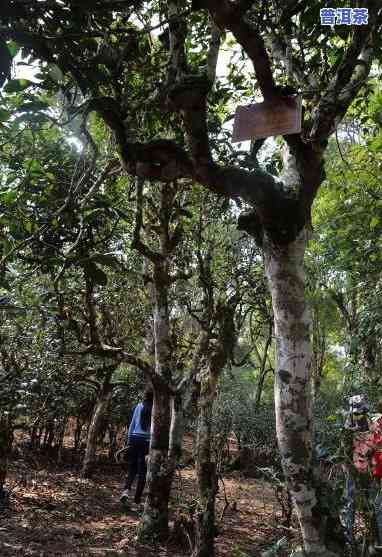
[53,512]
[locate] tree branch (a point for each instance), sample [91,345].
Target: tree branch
[226,15]
[92,314]
[164,160]
[213,51]
[178,33]
[137,242]
[138,362]
[281,49]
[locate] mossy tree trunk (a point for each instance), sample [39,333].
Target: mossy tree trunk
[161,468]
[206,470]
[154,521]
[218,353]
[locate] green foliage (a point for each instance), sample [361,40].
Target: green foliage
[345,258]
[67,218]
[235,411]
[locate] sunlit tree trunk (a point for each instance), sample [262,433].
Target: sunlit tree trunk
[284,269]
[94,427]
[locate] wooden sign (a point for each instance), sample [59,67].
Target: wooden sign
[256,121]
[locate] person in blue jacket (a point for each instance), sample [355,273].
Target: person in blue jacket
[138,444]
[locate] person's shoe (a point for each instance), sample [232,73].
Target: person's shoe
[125,497]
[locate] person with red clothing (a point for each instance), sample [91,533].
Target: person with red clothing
[376,448]
[366,447]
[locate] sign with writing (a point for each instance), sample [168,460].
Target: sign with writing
[256,121]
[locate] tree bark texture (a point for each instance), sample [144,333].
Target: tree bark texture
[60,438]
[183,398]
[205,529]
[176,428]
[154,521]
[3,458]
[284,269]
[219,351]
[6,440]
[94,427]
[77,434]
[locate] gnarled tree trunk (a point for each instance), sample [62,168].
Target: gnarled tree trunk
[206,469]
[183,398]
[220,350]
[94,427]
[154,521]
[284,269]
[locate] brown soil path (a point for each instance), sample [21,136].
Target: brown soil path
[55,513]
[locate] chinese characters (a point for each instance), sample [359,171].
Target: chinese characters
[344,16]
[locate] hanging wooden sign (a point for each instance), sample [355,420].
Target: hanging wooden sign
[256,121]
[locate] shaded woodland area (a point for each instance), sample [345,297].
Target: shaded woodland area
[140,246]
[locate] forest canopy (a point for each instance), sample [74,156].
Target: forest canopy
[140,246]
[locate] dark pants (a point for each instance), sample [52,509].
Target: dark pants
[370,491]
[136,465]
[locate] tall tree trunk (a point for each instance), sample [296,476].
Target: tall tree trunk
[6,438]
[154,521]
[94,427]
[60,438]
[35,439]
[219,351]
[48,434]
[284,269]
[206,470]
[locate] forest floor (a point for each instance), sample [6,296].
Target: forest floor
[53,512]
